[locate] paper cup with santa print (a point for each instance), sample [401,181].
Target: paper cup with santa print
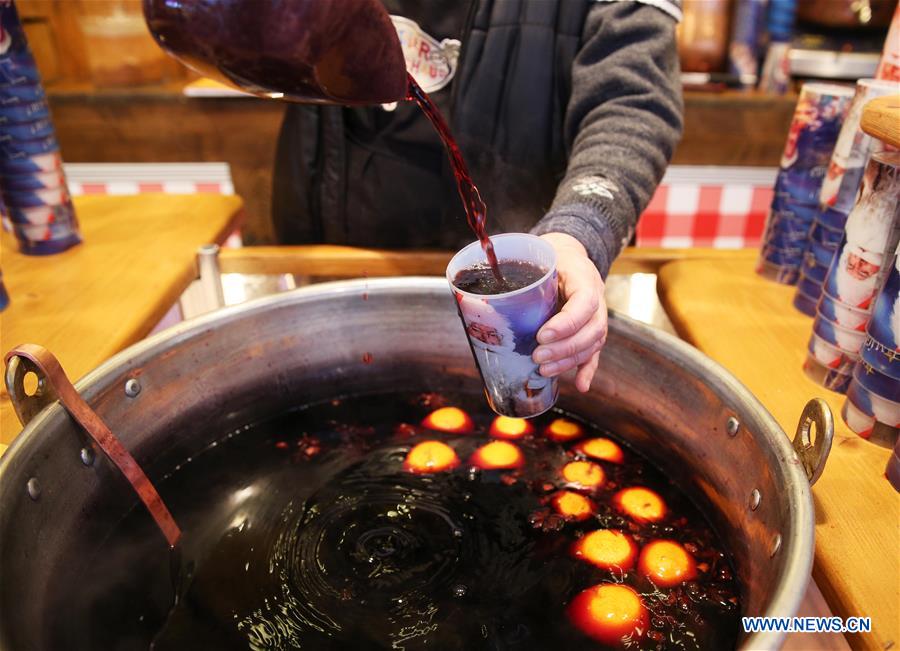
[817,121]
[881,410]
[853,146]
[502,327]
[824,376]
[848,317]
[882,346]
[850,341]
[870,235]
[831,356]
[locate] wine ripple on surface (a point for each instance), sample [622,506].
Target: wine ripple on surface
[369,538]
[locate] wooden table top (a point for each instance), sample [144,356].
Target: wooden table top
[99,297]
[748,325]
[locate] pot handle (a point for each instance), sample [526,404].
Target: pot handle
[27,406]
[814,454]
[53,384]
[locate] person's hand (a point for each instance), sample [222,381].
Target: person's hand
[573,337]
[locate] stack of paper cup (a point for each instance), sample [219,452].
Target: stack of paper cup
[817,122]
[856,274]
[838,194]
[872,409]
[877,398]
[32,184]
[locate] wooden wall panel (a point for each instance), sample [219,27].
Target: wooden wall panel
[161,125]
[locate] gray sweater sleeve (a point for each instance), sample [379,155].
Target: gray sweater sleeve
[623,121]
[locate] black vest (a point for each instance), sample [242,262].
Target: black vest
[370,177]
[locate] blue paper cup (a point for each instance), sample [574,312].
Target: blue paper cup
[883,410]
[877,383]
[808,286]
[46,162]
[813,270]
[801,212]
[24,93]
[849,341]
[34,181]
[853,146]
[63,212]
[831,356]
[832,218]
[822,254]
[18,69]
[804,303]
[18,113]
[825,235]
[502,328]
[844,315]
[36,198]
[32,130]
[14,149]
[825,376]
[786,275]
[49,247]
[817,121]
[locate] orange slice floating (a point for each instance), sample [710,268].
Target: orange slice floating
[497,455]
[640,504]
[609,612]
[562,430]
[666,563]
[584,473]
[505,427]
[607,549]
[448,419]
[431,456]
[573,505]
[602,449]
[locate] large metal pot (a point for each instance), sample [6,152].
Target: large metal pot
[185,387]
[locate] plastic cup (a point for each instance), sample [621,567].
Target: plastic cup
[502,328]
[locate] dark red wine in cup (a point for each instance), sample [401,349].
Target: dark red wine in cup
[515,274]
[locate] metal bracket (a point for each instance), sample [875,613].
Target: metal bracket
[27,406]
[813,455]
[53,384]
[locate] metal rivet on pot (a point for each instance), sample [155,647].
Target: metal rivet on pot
[732,426]
[776,545]
[34,488]
[755,497]
[87,456]
[132,388]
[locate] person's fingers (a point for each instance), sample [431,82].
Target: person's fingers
[555,368]
[592,332]
[581,305]
[586,372]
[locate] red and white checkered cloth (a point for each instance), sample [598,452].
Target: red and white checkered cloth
[137,178]
[711,207]
[721,207]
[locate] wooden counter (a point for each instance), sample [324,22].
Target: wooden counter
[101,296]
[748,325]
